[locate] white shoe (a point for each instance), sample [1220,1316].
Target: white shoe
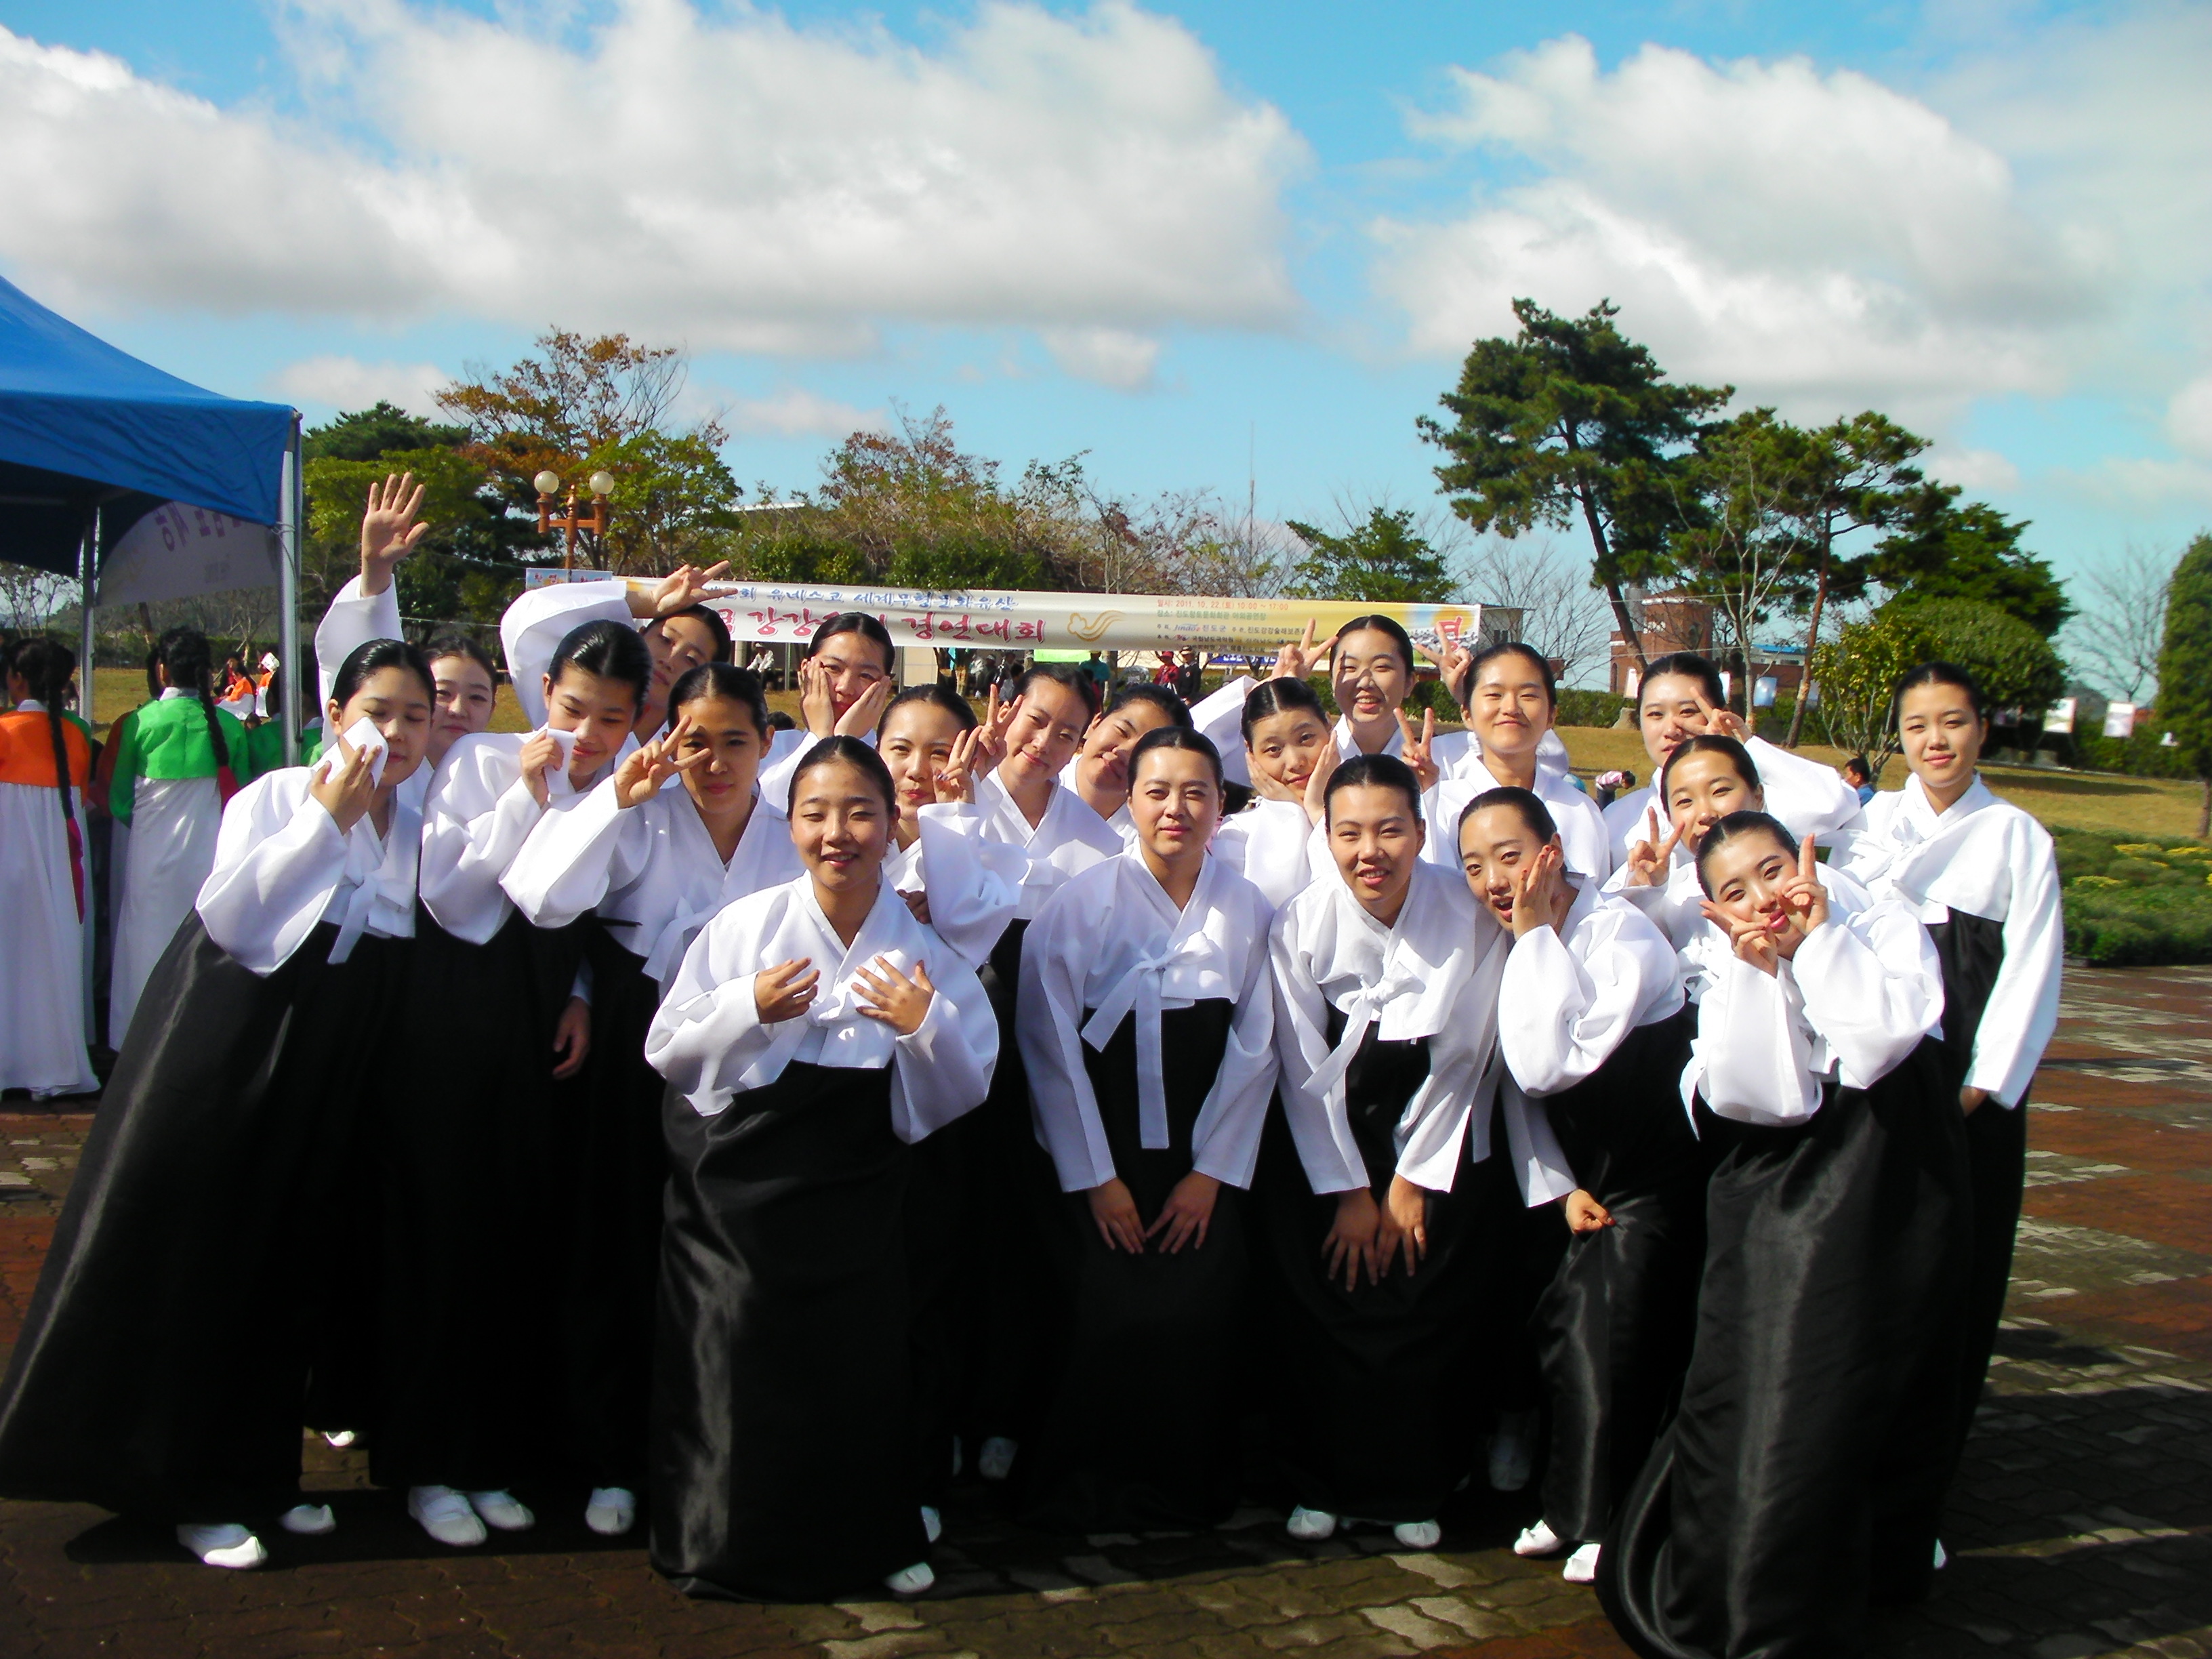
[910,1581]
[224,1544]
[340,1438]
[959,1458]
[1582,1566]
[1309,1526]
[446,1516]
[1512,1451]
[308,1520]
[610,1511]
[1539,1539]
[499,1509]
[996,1461]
[933,1523]
[1417,1534]
[1942,1560]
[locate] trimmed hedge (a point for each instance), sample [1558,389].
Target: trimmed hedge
[2135,904]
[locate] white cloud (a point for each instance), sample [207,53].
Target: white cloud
[349,383]
[1820,240]
[1977,470]
[720,177]
[1111,356]
[795,412]
[2189,417]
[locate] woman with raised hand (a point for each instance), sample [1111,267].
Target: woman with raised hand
[679,630]
[1982,877]
[1799,1479]
[815,1031]
[466,1368]
[846,680]
[677,831]
[1703,780]
[1386,986]
[1681,697]
[1593,1028]
[1146,1024]
[165,1354]
[1512,701]
[180,760]
[1100,771]
[1289,753]
[45,764]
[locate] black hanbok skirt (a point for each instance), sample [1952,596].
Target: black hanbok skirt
[781,1465]
[163,1366]
[1373,1418]
[467,1363]
[1615,1323]
[1797,1481]
[1139,1431]
[1971,950]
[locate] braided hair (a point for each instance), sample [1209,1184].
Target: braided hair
[188,663]
[45,666]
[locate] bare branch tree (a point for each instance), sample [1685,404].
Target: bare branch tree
[2113,641]
[1561,614]
[30,598]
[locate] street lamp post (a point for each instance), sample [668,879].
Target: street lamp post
[569,520]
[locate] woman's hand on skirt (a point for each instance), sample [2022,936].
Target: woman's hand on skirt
[1404,1223]
[1184,1217]
[1350,1245]
[1584,1213]
[571,1038]
[1115,1213]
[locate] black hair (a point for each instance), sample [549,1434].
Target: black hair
[46,665]
[1374,771]
[374,656]
[725,649]
[780,722]
[610,650]
[1939,674]
[1381,624]
[186,660]
[272,695]
[849,751]
[1712,743]
[1858,763]
[453,642]
[1176,736]
[1068,675]
[1279,696]
[1160,696]
[937,695]
[153,670]
[1690,665]
[855,621]
[1735,827]
[1464,688]
[721,679]
[1527,802]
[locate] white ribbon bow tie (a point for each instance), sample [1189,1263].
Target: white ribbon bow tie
[1139,988]
[1362,1012]
[360,903]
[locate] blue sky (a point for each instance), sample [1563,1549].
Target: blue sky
[1174,237]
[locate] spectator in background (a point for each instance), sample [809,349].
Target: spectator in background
[1860,777]
[1610,784]
[1097,668]
[1190,675]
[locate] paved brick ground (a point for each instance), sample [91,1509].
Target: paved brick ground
[2082,1525]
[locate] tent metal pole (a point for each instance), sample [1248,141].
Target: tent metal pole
[288,591]
[88,572]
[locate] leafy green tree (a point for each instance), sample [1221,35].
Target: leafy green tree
[2015,667]
[1382,561]
[1736,544]
[1571,419]
[2184,669]
[1944,550]
[363,434]
[1858,674]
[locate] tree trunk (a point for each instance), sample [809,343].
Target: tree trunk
[1811,642]
[1630,626]
[2204,812]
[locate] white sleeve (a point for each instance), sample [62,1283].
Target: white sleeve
[278,865]
[1318,1123]
[1752,1054]
[1873,987]
[1808,798]
[537,622]
[1560,1017]
[2023,1006]
[1539,1164]
[974,885]
[473,825]
[944,1070]
[1048,1025]
[353,620]
[1461,1081]
[1219,717]
[1224,1142]
[567,861]
[708,1030]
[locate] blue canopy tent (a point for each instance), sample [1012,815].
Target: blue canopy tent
[92,441]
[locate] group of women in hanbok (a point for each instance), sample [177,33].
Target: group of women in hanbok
[757,1129]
